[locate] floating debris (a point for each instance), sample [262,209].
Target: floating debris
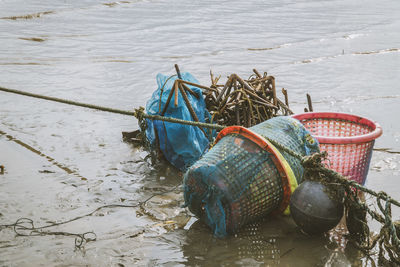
[34,39]
[377,51]
[30,16]
[112,4]
[46,171]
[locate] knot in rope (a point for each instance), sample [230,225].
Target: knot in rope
[139,113]
[314,160]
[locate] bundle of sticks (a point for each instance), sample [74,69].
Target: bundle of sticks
[238,101]
[245,102]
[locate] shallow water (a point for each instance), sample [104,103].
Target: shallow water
[345,54]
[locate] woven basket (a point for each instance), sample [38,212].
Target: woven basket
[348,139]
[244,177]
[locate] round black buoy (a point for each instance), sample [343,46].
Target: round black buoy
[312,208]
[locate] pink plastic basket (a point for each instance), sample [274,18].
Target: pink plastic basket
[348,139]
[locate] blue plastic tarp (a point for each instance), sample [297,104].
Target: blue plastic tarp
[182,145]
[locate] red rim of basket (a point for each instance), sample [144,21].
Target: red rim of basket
[364,138]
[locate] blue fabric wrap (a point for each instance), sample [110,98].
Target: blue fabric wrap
[211,200]
[230,184]
[182,145]
[218,190]
[290,133]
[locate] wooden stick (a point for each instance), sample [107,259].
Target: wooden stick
[284,92]
[230,88]
[189,106]
[168,100]
[228,94]
[178,71]
[190,91]
[264,90]
[213,99]
[285,107]
[237,113]
[225,102]
[197,85]
[257,73]
[260,99]
[232,104]
[235,88]
[249,119]
[262,103]
[244,84]
[265,112]
[245,118]
[274,92]
[258,114]
[228,83]
[266,78]
[176,93]
[258,87]
[310,108]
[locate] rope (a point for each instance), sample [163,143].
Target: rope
[307,161]
[66,101]
[26,226]
[388,237]
[138,113]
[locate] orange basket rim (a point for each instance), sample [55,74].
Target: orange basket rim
[364,138]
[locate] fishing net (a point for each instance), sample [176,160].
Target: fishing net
[244,177]
[290,134]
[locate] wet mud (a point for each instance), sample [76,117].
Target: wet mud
[344,54]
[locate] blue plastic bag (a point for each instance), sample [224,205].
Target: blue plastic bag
[182,145]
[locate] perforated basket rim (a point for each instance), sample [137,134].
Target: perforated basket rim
[364,138]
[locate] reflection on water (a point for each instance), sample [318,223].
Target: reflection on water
[269,243]
[344,54]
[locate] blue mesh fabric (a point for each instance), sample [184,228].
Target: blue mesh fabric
[236,182]
[181,145]
[290,133]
